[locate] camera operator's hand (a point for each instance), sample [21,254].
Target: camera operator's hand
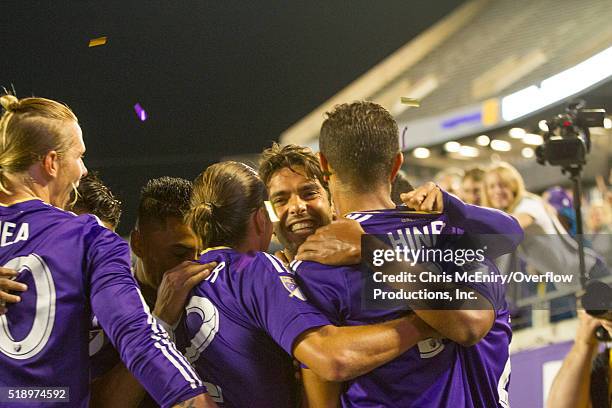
[570,388]
[587,324]
[607,324]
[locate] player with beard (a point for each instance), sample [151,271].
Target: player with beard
[248,317]
[298,193]
[77,267]
[360,153]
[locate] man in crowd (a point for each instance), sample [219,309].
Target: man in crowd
[472,186]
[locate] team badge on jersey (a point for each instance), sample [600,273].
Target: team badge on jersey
[430,347]
[292,287]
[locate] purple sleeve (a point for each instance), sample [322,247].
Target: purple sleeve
[277,303]
[476,220]
[326,288]
[143,345]
[494,292]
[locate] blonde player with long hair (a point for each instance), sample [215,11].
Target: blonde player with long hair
[77,266]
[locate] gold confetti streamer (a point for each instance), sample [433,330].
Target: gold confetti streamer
[412,102]
[97,41]
[271,212]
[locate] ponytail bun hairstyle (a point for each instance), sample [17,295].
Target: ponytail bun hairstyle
[223,199]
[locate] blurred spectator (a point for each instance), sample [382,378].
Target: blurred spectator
[553,250]
[547,246]
[599,220]
[450,180]
[505,190]
[583,379]
[472,186]
[599,225]
[561,201]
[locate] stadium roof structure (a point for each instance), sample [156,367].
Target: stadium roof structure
[487,65]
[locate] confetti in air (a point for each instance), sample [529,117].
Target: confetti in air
[97,41]
[413,103]
[142,115]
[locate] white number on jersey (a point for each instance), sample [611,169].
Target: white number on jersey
[44,318]
[209,328]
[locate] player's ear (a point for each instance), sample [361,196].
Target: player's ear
[398,160]
[325,167]
[259,219]
[50,163]
[136,242]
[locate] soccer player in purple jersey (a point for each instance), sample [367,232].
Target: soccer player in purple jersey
[73,266]
[300,198]
[249,316]
[165,253]
[359,152]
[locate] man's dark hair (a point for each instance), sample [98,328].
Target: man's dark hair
[162,198]
[360,141]
[475,173]
[97,199]
[290,156]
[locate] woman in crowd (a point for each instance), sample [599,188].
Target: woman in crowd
[550,247]
[599,226]
[547,245]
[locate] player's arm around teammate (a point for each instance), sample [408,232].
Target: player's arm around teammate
[342,353]
[118,387]
[319,393]
[465,327]
[339,243]
[498,231]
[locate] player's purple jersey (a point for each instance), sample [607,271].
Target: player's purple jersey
[74,267]
[241,323]
[435,373]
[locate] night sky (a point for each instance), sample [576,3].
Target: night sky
[215,78]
